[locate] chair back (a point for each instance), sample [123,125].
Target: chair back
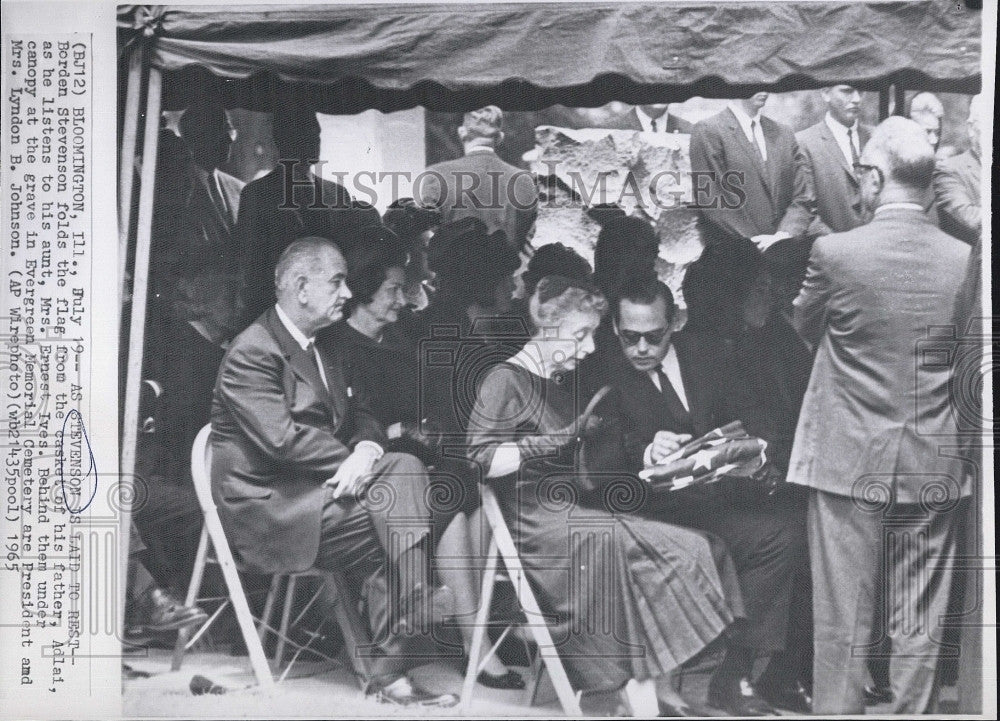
[201,469]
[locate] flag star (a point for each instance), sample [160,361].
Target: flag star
[703,459]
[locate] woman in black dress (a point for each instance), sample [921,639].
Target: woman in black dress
[632,598]
[382,358]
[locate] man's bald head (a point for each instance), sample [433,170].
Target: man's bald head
[301,258]
[311,283]
[900,149]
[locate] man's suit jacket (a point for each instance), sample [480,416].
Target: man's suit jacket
[502,196]
[956,191]
[264,229]
[714,397]
[190,222]
[277,435]
[877,410]
[778,194]
[630,121]
[838,195]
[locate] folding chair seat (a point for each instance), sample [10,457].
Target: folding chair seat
[502,548]
[214,548]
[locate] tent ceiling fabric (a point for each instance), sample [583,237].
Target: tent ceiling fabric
[452,56]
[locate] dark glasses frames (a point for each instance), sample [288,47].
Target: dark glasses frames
[652,337]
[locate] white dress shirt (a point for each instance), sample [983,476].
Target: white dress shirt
[647,122]
[840,135]
[671,368]
[751,127]
[299,337]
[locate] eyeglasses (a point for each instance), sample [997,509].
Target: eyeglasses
[860,168]
[652,337]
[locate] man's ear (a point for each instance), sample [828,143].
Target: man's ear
[500,137]
[300,287]
[463,133]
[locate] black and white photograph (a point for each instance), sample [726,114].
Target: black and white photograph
[468,359]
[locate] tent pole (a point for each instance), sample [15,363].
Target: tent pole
[126,181]
[900,97]
[133,382]
[883,103]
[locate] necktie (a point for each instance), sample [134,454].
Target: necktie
[652,124]
[757,141]
[311,348]
[855,158]
[673,401]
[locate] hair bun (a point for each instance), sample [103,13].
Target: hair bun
[553,286]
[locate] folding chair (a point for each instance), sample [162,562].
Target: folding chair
[502,547]
[213,538]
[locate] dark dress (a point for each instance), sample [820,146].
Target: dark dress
[391,373]
[625,597]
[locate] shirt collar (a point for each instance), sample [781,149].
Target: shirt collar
[297,335]
[742,117]
[480,149]
[646,121]
[837,127]
[899,206]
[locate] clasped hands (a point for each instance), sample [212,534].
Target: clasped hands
[355,472]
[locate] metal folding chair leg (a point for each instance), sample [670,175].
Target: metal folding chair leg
[481,624]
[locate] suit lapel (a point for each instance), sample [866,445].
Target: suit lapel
[699,397]
[750,151]
[833,150]
[303,364]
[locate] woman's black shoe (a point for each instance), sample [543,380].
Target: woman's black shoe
[507,681]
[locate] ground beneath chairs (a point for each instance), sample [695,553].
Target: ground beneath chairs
[314,689]
[311,690]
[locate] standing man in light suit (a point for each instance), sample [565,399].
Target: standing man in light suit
[831,147]
[876,439]
[480,184]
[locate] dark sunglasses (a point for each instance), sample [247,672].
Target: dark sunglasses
[652,337]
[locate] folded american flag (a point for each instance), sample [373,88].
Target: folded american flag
[726,451]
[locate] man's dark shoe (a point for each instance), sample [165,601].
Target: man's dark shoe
[156,611]
[403,692]
[738,698]
[789,696]
[876,694]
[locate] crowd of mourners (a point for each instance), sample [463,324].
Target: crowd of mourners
[344,358]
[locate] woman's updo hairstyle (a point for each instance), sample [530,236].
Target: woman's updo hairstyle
[557,296]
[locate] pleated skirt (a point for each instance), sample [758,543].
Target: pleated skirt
[623,597]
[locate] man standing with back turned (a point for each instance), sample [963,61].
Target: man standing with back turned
[875,430]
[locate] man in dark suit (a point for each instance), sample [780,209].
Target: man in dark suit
[751,186]
[653,118]
[957,185]
[197,204]
[299,472]
[831,148]
[291,202]
[480,184]
[675,386]
[877,437]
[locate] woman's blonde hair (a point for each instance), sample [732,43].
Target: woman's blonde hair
[557,296]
